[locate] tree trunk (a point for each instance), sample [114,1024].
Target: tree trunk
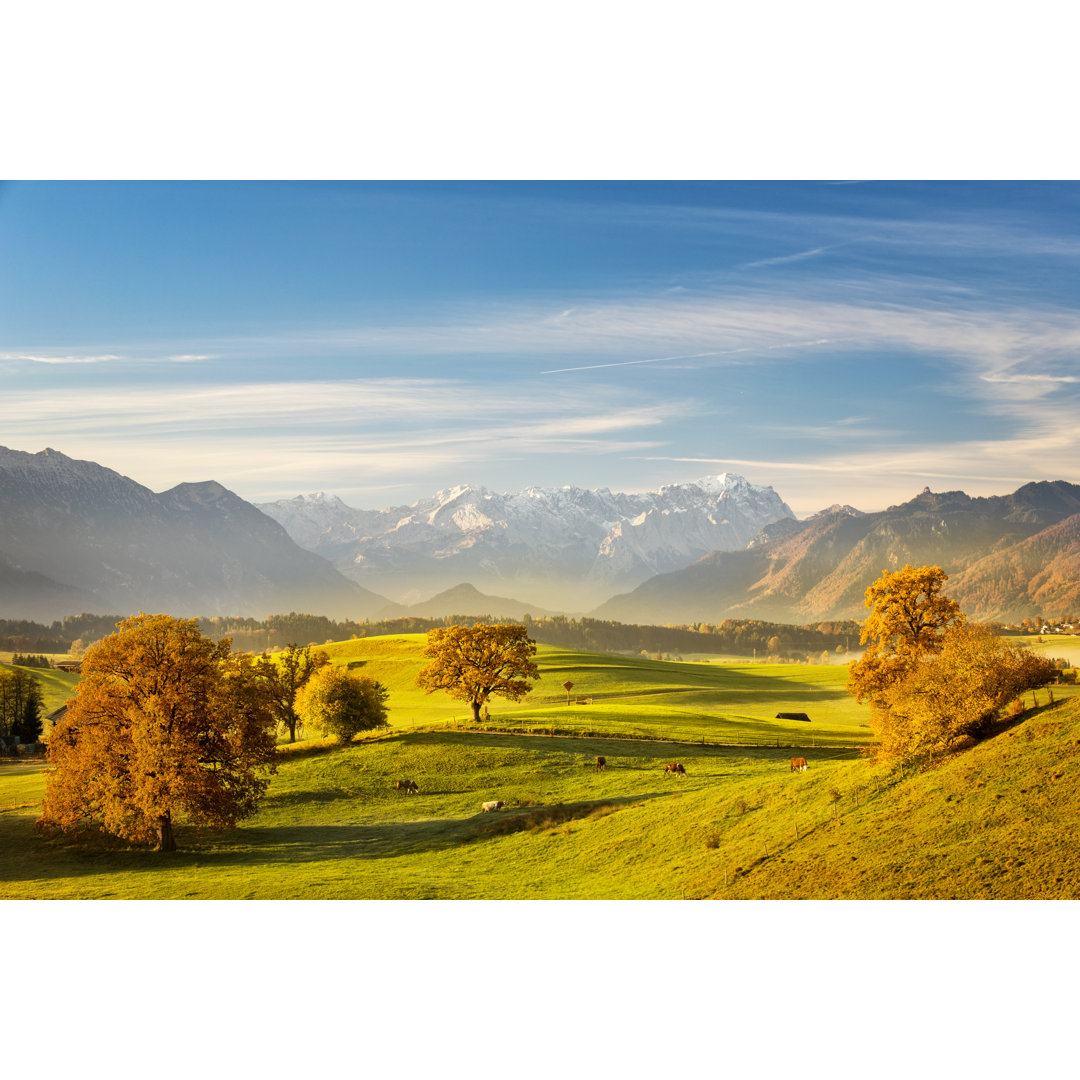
[475,706]
[166,840]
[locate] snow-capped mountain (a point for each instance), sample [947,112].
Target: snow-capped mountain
[567,544]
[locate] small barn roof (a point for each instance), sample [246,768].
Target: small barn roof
[793,716]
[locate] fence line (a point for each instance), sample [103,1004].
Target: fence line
[677,740]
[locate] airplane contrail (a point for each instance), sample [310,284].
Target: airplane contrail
[651,360]
[688,356]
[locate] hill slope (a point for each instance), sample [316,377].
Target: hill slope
[996,822]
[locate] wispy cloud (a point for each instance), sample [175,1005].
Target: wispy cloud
[50,358]
[104,358]
[270,439]
[873,477]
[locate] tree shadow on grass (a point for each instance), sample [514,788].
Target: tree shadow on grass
[268,846]
[391,839]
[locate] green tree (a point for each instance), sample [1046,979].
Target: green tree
[470,663]
[340,704]
[21,705]
[285,673]
[908,616]
[164,724]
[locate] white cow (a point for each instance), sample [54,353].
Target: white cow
[496,805]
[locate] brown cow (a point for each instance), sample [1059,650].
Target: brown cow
[408,786]
[601,762]
[798,763]
[675,767]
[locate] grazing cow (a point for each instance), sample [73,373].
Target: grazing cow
[798,763]
[675,767]
[496,805]
[601,762]
[407,786]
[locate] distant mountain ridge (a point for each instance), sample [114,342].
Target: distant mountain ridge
[1007,556]
[465,599]
[574,545]
[76,536]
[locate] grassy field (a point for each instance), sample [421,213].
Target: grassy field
[1063,645]
[995,822]
[632,696]
[56,686]
[998,821]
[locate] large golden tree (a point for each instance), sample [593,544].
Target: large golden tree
[934,680]
[165,724]
[470,663]
[908,617]
[955,694]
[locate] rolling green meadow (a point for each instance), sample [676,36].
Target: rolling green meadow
[997,821]
[56,686]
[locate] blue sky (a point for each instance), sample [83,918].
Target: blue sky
[844,342]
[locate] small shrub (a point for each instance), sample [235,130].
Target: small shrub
[712,841]
[742,806]
[835,795]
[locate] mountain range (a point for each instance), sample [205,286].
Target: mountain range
[1006,556]
[75,536]
[568,547]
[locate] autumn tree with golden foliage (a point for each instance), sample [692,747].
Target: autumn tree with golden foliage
[340,704]
[165,725]
[908,618]
[956,693]
[470,663]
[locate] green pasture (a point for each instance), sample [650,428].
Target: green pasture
[332,825]
[56,686]
[1066,646]
[997,821]
[631,696]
